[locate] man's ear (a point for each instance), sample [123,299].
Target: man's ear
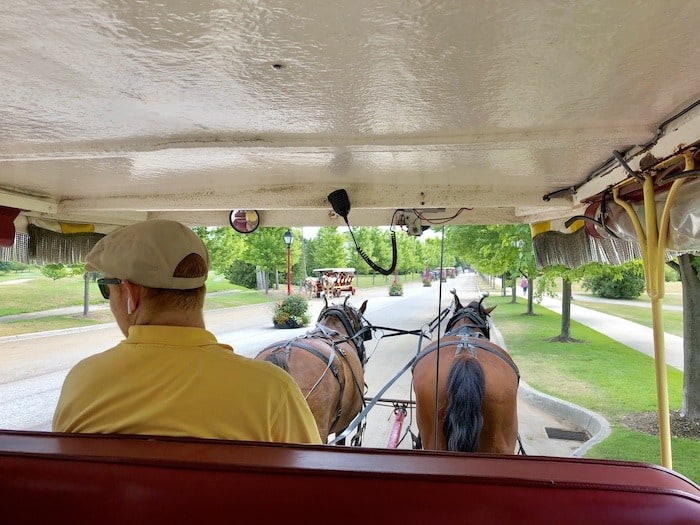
[133,295]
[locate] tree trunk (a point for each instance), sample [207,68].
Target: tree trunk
[565,334]
[514,291]
[530,297]
[690,407]
[86,295]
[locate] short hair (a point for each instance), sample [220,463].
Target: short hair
[167,299]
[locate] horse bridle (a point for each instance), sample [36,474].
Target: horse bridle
[358,337]
[478,321]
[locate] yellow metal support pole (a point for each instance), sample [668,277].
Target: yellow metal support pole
[652,258]
[652,243]
[655,290]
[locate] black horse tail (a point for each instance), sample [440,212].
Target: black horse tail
[463,417]
[279,358]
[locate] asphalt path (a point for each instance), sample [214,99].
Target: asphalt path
[34,366]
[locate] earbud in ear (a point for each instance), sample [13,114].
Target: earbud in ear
[129,306]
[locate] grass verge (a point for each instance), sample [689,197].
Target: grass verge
[37,293]
[599,374]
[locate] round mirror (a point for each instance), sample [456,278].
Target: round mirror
[244,221]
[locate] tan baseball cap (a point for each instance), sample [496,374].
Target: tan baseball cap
[147,253]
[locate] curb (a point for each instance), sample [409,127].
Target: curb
[49,333]
[595,424]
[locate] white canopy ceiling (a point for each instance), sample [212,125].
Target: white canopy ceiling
[118,110]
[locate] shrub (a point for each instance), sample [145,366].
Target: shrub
[396,288]
[12,266]
[55,271]
[671,275]
[625,281]
[242,274]
[291,312]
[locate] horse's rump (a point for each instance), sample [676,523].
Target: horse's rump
[466,387]
[476,399]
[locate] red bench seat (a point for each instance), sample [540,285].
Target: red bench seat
[48,477]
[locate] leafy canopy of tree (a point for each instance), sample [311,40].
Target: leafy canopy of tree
[55,271]
[327,249]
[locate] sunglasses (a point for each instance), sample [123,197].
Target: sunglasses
[103,283]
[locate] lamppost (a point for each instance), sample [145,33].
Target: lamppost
[288,238]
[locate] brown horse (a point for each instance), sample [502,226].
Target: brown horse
[328,365]
[477,382]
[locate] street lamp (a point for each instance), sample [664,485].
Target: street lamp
[288,238]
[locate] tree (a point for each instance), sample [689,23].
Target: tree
[241,273]
[266,250]
[408,260]
[327,249]
[495,250]
[375,243]
[365,237]
[225,246]
[546,285]
[432,252]
[55,271]
[689,268]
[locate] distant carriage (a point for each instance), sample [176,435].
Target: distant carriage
[333,282]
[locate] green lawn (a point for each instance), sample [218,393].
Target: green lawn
[673,294]
[37,293]
[41,293]
[599,374]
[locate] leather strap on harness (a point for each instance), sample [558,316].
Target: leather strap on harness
[469,313]
[331,365]
[470,342]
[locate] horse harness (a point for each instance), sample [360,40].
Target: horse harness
[327,334]
[357,338]
[468,339]
[477,322]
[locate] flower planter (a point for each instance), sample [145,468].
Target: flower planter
[288,324]
[396,289]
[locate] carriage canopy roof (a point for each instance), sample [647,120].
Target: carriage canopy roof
[484,112]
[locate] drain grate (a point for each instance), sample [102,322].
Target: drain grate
[572,435]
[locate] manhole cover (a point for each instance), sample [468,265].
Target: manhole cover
[572,435]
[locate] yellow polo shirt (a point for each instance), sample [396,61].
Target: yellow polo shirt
[179,381]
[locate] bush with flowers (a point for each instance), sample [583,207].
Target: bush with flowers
[396,288]
[291,312]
